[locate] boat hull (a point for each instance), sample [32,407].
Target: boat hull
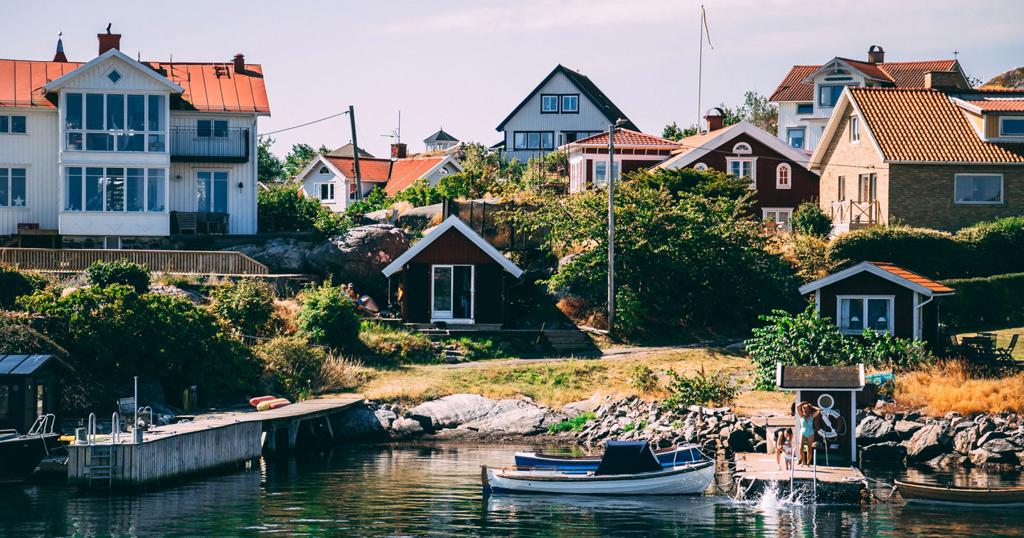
[667,459]
[915,492]
[20,456]
[686,480]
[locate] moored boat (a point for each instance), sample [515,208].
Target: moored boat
[669,457]
[917,492]
[21,454]
[626,468]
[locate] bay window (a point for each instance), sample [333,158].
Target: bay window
[12,187]
[115,122]
[859,312]
[114,189]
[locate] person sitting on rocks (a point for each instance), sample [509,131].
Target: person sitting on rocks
[784,448]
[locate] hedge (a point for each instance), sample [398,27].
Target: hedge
[995,247]
[984,303]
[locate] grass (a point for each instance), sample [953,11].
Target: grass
[574,424]
[1003,339]
[950,386]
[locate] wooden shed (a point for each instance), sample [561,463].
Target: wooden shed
[453,276]
[832,389]
[30,386]
[882,297]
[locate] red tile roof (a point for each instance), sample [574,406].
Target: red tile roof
[372,170]
[899,74]
[405,172]
[21,83]
[906,274]
[999,105]
[627,137]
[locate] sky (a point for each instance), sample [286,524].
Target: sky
[465,65]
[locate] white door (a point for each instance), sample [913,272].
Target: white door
[452,293]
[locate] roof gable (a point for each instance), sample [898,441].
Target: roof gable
[111,60]
[798,85]
[405,172]
[697,146]
[586,87]
[453,223]
[895,274]
[625,138]
[440,136]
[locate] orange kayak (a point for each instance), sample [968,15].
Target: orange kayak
[257,400]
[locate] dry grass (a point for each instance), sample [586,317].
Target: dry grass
[549,382]
[286,310]
[950,386]
[342,374]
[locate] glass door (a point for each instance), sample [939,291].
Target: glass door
[441,286]
[452,292]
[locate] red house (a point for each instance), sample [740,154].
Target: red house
[778,172]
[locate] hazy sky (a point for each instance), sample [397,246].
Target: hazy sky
[466,64]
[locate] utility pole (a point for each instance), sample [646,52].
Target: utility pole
[355,152]
[611,227]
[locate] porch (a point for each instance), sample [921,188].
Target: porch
[849,215]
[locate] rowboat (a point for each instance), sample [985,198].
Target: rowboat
[669,457]
[626,468]
[917,492]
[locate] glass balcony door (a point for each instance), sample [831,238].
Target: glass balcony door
[452,292]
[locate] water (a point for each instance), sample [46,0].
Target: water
[434,490]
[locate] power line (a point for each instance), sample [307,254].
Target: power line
[325,118]
[807,161]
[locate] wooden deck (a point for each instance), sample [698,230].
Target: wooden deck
[209,442]
[756,471]
[62,260]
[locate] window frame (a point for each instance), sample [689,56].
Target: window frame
[803,136]
[841,188]
[213,189]
[890,322]
[543,102]
[540,140]
[1002,188]
[854,129]
[1012,118]
[811,111]
[777,210]
[147,178]
[150,137]
[9,129]
[738,148]
[561,103]
[330,190]
[778,176]
[616,171]
[753,168]
[700,167]
[835,100]
[8,177]
[213,128]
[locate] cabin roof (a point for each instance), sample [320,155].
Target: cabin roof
[464,229]
[888,271]
[793,377]
[26,364]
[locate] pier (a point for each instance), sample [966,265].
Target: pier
[213,441]
[756,472]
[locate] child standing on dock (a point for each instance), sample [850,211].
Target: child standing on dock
[806,414]
[784,448]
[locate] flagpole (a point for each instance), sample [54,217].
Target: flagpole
[700,63]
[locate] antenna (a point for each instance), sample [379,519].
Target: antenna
[396,134]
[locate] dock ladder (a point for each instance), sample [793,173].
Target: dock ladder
[99,458]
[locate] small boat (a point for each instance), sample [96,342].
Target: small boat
[626,468]
[668,457]
[917,492]
[21,454]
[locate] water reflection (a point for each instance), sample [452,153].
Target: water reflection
[435,490]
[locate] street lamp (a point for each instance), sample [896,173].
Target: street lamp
[611,222]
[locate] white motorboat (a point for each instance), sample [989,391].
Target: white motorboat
[626,468]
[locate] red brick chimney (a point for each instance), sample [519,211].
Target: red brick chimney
[398,150]
[875,54]
[715,118]
[109,41]
[239,63]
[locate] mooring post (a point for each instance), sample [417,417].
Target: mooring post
[329,427]
[272,438]
[293,434]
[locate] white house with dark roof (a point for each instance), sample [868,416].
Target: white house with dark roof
[440,141]
[565,107]
[808,94]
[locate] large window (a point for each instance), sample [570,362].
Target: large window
[115,122]
[13,125]
[601,172]
[978,189]
[741,167]
[326,191]
[1011,126]
[12,187]
[857,313]
[828,95]
[212,191]
[114,189]
[795,137]
[534,140]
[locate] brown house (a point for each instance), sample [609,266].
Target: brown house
[882,297]
[937,157]
[778,172]
[453,276]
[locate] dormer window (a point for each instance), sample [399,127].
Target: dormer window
[742,149]
[1011,126]
[828,95]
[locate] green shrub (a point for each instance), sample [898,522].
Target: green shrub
[246,305]
[642,378]
[994,247]
[328,316]
[712,390]
[285,209]
[291,365]
[809,219]
[711,183]
[391,345]
[807,254]
[119,272]
[14,284]
[984,303]
[574,424]
[929,252]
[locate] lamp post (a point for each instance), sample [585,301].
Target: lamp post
[611,222]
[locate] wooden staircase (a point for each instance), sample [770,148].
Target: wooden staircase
[570,342]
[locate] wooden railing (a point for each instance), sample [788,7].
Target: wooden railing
[160,261]
[853,212]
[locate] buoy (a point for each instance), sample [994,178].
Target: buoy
[256,401]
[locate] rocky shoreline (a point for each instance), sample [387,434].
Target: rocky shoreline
[989,441]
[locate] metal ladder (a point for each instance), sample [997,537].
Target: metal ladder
[99,458]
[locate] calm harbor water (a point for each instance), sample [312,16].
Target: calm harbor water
[434,490]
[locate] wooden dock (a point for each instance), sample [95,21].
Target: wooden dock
[213,441]
[756,471]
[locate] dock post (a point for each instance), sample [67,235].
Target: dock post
[329,427]
[272,438]
[293,434]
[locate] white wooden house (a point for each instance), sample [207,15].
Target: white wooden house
[113,152]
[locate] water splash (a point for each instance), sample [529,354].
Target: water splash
[772,498]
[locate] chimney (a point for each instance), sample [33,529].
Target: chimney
[398,150]
[875,54]
[715,118]
[59,55]
[944,80]
[109,41]
[239,63]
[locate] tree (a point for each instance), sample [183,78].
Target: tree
[269,168]
[758,110]
[299,157]
[710,183]
[809,219]
[672,132]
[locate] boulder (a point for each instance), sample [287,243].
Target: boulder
[907,428]
[359,255]
[358,423]
[988,436]
[926,443]
[949,460]
[874,429]
[511,417]
[404,428]
[451,411]
[987,458]
[279,255]
[965,440]
[999,445]
[887,451]
[583,406]
[741,441]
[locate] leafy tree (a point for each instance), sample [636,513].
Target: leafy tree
[328,316]
[375,200]
[291,365]
[246,306]
[672,132]
[809,219]
[758,110]
[285,209]
[119,272]
[15,283]
[300,156]
[711,183]
[269,167]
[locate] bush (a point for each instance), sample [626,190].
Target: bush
[806,253]
[574,424]
[994,247]
[711,183]
[291,365]
[984,303]
[713,390]
[328,316]
[340,374]
[809,219]
[929,252]
[246,305]
[391,345]
[14,284]
[119,272]
[285,209]
[642,378]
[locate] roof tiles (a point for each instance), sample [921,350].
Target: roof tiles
[628,137]
[907,274]
[405,172]
[899,74]
[372,170]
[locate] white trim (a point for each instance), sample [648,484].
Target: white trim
[1002,189]
[829,66]
[319,188]
[464,229]
[778,373]
[852,430]
[745,150]
[916,333]
[700,167]
[854,129]
[873,269]
[56,84]
[846,99]
[472,294]
[891,324]
[1003,118]
[728,167]
[789,210]
[789,176]
[773,142]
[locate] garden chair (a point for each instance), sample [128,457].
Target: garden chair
[1006,353]
[956,349]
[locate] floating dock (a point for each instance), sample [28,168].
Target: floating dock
[756,472]
[214,441]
